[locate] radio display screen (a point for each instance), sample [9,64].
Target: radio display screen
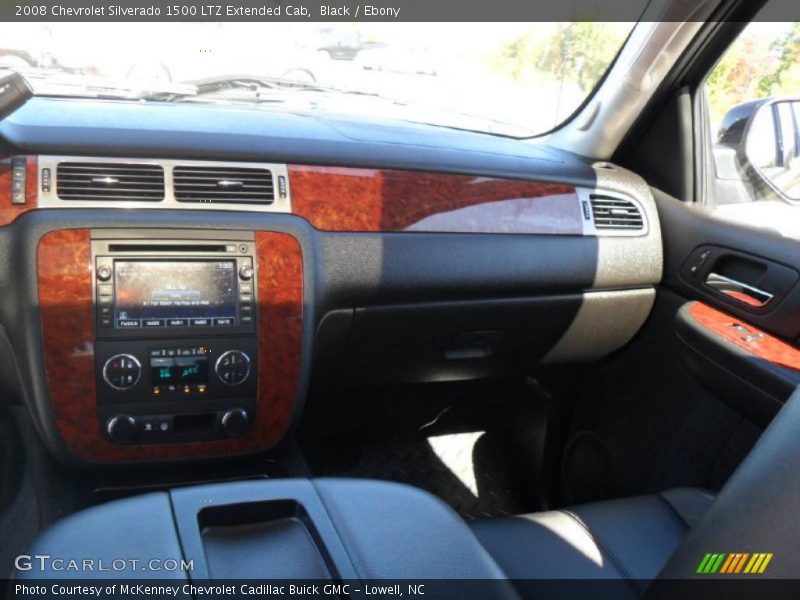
[175,293]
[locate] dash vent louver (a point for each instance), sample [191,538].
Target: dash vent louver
[615,213]
[110,181]
[235,185]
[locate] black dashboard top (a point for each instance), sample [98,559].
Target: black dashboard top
[238,132]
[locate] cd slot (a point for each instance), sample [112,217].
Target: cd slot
[210,248]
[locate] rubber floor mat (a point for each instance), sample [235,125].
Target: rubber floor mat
[470,471]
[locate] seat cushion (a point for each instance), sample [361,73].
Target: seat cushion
[628,540]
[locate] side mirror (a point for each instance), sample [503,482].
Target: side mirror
[771,148]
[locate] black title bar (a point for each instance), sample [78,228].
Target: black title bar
[385,10]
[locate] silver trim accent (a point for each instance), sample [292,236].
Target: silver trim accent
[50,199]
[724,285]
[116,387]
[584,199]
[224,354]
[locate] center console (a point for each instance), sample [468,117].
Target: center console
[164,344]
[339,533]
[176,352]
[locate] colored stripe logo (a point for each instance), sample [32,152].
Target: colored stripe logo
[734,563]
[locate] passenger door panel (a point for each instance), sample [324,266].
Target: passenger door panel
[740,332]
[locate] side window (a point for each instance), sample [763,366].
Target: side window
[753,100]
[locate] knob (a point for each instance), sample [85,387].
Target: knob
[246,272]
[121,428]
[104,272]
[122,371]
[233,367]
[234,422]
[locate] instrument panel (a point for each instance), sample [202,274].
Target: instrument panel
[174,334]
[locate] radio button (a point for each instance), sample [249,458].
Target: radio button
[104,272]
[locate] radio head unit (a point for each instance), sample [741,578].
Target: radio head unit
[204,289]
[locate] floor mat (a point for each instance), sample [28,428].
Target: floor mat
[472,471]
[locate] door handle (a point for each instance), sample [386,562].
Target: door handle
[736,290]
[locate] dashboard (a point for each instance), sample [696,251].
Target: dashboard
[178,298]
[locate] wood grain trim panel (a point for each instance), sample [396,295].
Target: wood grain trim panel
[10,212]
[768,347]
[64,267]
[348,199]
[65,302]
[280,325]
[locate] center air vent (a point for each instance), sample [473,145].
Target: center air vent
[223,184]
[611,212]
[110,181]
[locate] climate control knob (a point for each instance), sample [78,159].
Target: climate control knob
[122,371]
[235,422]
[121,428]
[233,367]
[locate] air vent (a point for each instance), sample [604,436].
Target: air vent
[110,181]
[223,184]
[612,212]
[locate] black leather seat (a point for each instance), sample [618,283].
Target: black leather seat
[627,540]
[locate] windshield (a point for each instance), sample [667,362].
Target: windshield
[519,79]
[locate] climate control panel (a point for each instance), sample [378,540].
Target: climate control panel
[233,367]
[122,371]
[167,391]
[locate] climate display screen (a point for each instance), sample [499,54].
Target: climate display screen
[175,294]
[180,371]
